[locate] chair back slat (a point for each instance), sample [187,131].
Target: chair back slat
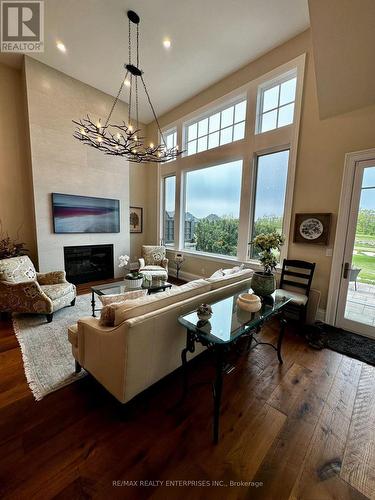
[303,279]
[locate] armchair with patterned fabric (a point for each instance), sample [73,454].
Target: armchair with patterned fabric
[153,262]
[24,290]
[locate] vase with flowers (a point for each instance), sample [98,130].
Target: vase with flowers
[268,249]
[134,279]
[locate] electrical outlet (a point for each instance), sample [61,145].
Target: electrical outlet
[203,271]
[329,252]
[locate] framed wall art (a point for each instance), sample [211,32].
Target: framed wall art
[312,228]
[136,219]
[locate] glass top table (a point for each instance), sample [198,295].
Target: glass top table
[229,321]
[121,287]
[226,326]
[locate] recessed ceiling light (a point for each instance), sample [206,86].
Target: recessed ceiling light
[167,43]
[61,46]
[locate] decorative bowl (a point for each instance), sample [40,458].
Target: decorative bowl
[249,302]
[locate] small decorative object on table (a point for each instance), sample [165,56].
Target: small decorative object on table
[204,312]
[178,260]
[249,302]
[133,279]
[264,283]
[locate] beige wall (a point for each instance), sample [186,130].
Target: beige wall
[16,211]
[320,161]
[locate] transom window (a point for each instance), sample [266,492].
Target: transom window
[170,138]
[221,127]
[277,105]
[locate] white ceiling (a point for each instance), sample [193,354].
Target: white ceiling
[210,38]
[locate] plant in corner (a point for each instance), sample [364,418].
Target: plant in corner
[264,283]
[10,247]
[134,279]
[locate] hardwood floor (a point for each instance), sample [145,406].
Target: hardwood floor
[303,430]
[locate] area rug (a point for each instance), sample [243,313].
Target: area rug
[355,346]
[46,351]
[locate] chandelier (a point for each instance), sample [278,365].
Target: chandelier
[124,139]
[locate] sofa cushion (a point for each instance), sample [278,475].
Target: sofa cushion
[230,278]
[57,291]
[298,299]
[233,270]
[144,305]
[217,274]
[121,297]
[17,269]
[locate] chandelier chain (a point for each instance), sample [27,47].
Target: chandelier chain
[130,43]
[153,111]
[116,99]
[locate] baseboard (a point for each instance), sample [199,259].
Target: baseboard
[321,315]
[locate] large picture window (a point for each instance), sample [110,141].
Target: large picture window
[271,180]
[169,189]
[212,209]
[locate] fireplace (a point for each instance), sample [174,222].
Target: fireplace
[88,263]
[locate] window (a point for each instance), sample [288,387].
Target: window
[221,127]
[212,209]
[277,105]
[169,189]
[170,139]
[270,190]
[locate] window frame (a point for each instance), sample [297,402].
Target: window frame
[260,100]
[247,150]
[211,111]
[183,211]
[162,206]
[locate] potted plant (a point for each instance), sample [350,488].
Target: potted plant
[10,247]
[134,279]
[263,282]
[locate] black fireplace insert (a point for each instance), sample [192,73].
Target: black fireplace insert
[88,263]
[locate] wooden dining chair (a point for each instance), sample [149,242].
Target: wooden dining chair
[295,283]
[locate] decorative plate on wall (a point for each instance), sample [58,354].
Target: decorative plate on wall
[312,228]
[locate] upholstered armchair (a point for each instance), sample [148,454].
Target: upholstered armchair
[24,290]
[153,262]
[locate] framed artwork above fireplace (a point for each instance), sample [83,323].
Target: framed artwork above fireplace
[85,214]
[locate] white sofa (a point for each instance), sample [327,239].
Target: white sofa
[146,342]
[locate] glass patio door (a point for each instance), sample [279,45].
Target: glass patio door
[356,305]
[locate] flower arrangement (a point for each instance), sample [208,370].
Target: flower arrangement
[269,246]
[133,275]
[10,247]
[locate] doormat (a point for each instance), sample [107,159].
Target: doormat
[321,335]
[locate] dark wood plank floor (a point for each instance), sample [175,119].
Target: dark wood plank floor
[303,430]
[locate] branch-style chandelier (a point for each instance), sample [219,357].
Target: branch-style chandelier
[124,139]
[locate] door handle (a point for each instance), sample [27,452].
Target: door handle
[346,270]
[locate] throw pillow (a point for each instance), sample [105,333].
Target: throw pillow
[233,270]
[121,297]
[217,274]
[107,316]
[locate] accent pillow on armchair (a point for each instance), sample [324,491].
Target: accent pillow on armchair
[153,262]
